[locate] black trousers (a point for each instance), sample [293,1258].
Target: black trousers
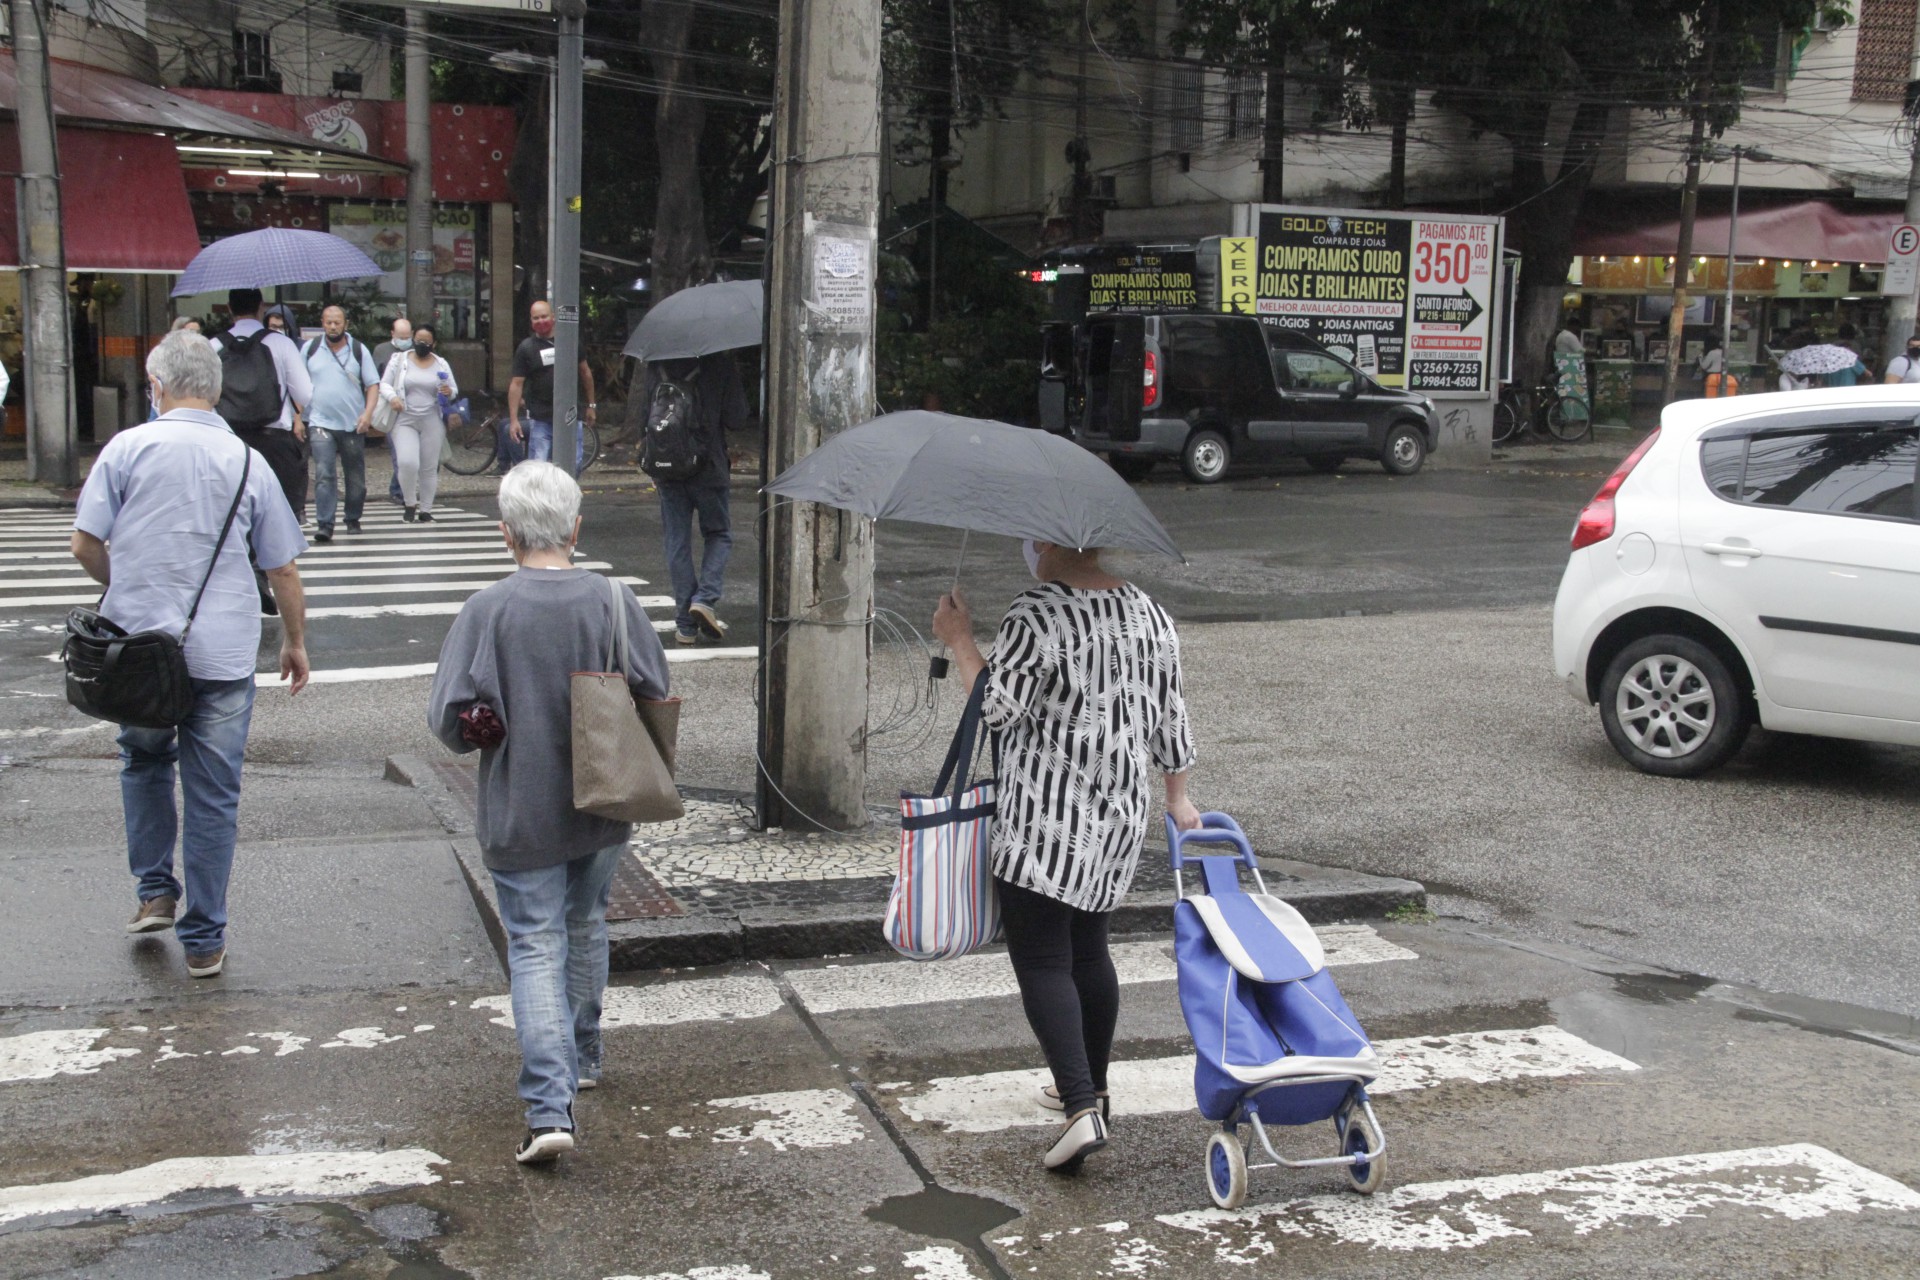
[1069,988]
[288,458]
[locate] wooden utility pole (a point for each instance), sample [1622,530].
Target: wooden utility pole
[51,456]
[817,572]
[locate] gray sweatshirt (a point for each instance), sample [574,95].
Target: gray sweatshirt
[514,647]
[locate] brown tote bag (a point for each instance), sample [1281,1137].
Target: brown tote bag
[623,746]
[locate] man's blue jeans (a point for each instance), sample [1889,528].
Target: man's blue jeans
[208,748]
[556,923]
[349,448]
[507,452]
[680,502]
[540,442]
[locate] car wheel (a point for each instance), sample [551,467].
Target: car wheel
[1406,450]
[1325,462]
[1206,456]
[1671,707]
[1130,469]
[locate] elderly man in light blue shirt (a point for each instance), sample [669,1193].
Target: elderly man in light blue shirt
[346,386]
[147,526]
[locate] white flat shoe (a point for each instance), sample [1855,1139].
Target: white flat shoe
[1085,1135]
[1049,1097]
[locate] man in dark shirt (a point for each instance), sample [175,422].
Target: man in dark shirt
[720,406]
[530,393]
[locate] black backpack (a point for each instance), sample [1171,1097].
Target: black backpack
[353,355]
[670,449]
[250,394]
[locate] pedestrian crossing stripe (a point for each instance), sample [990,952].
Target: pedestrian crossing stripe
[1001,1100]
[424,572]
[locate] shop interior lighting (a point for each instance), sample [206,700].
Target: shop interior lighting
[225,151]
[1763,262]
[272,173]
[1636,259]
[1788,265]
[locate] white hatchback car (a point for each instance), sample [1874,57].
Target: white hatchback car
[1756,557]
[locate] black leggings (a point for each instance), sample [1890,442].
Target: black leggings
[1068,986]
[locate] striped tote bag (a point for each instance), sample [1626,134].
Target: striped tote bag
[943,903]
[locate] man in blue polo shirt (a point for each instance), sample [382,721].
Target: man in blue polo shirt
[345,384]
[148,527]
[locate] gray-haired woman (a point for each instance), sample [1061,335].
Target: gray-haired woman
[1085,695]
[512,651]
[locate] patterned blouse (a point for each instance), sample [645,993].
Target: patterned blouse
[1084,691]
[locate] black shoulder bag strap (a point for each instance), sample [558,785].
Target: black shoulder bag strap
[246,468]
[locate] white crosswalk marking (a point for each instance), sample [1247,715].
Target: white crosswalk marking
[391,570]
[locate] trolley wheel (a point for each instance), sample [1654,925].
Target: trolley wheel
[1226,1169]
[1364,1176]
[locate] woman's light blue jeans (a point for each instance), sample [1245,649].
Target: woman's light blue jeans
[556,923]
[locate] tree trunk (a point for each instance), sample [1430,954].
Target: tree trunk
[1273,140]
[527,179]
[681,254]
[1541,228]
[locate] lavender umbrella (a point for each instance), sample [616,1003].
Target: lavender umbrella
[1821,357]
[274,255]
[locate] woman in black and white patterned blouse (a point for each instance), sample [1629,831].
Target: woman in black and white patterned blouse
[1085,694]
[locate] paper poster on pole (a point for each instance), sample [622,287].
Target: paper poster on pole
[1903,262]
[843,281]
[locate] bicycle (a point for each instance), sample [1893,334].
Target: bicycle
[1542,409]
[473,446]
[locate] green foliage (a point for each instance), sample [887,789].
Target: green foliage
[980,356]
[946,65]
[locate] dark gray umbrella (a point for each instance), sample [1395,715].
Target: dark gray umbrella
[700,321]
[970,473]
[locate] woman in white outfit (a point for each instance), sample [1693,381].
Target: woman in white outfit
[417,383]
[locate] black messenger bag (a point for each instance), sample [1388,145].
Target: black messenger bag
[139,679]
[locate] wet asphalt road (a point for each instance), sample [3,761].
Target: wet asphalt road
[1753,1121]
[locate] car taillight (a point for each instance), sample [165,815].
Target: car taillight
[1596,518]
[1149,381]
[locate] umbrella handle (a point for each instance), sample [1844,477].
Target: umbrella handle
[938,666]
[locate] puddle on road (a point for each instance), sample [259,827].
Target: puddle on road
[940,1214]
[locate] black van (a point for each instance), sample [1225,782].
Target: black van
[1214,389]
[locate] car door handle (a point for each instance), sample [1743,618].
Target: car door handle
[1730,549]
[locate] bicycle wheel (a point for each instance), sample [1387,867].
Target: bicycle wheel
[471,445]
[589,445]
[1569,419]
[1506,421]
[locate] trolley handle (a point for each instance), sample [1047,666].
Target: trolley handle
[1214,828]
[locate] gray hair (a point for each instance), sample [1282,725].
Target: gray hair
[539,503]
[186,366]
[181,322]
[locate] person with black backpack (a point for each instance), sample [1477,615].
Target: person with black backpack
[264,390]
[690,406]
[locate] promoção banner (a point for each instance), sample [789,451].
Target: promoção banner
[1407,299]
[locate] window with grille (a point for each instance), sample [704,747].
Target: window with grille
[252,56]
[1883,58]
[1186,106]
[1245,97]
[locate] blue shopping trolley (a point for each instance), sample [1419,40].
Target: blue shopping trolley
[1274,1042]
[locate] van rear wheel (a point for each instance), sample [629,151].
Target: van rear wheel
[1206,457]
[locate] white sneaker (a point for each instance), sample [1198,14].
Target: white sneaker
[1049,1097]
[543,1145]
[1085,1135]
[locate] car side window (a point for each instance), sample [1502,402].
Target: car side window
[1866,471]
[1311,371]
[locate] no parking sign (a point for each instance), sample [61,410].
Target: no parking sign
[1903,261]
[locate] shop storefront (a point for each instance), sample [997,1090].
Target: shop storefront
[1801,266]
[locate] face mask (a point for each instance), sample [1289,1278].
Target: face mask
[423,348]
[1032,553]
[403,344]
[544,327]
[153,395]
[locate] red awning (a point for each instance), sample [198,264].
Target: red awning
[1818,230]
[104,178]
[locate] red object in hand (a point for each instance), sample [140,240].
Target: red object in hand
[480,726]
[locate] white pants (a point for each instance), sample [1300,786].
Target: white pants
[415,440]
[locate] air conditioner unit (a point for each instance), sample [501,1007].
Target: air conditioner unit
[1102,187]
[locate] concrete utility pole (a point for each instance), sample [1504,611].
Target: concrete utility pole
[564,267]
[1689,202]
[1901,314]
[419,170]
[51,458]
[817,573]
